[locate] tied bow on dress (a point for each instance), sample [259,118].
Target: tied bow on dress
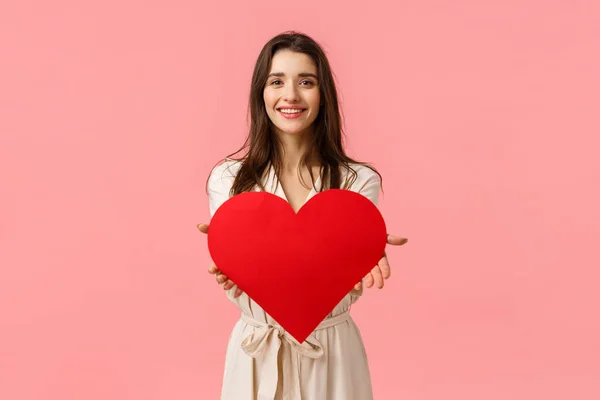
[268,340]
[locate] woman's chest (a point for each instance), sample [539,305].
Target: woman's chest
[295,191]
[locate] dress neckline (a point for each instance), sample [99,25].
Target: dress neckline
[275,187]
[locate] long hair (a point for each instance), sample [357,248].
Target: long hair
[262,144]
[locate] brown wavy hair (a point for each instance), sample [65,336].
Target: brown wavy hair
[262,144]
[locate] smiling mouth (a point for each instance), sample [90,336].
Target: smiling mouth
[291,111]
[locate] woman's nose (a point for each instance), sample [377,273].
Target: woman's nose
[291,93]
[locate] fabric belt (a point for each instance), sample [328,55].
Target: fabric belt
[268,340]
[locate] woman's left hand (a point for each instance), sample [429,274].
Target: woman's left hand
[381,271]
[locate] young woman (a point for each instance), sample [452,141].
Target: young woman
[295,137]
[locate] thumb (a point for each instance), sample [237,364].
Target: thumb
[202,228]
[396,240]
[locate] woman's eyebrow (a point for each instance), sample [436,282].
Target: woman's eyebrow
[301,74]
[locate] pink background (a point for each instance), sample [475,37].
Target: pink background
[481,116]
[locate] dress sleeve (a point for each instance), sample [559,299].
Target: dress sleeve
[369,188]
[219,185]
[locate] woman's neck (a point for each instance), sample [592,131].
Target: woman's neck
[294,148]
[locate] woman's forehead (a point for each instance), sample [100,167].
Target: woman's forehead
[289,62]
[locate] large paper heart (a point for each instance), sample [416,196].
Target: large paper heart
[297,267]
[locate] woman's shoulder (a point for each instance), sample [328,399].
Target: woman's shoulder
[366,182]
[224,173]
[364,174]
[227,168]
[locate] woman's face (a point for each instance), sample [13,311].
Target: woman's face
[294,87]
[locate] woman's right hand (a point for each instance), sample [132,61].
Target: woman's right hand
[220,277]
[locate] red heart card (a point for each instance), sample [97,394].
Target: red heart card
[297,267]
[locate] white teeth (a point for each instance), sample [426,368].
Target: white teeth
[290,110]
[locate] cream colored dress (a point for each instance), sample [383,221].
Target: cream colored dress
[263,362]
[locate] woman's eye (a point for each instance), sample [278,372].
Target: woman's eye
[277,80]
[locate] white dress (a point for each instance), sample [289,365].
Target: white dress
[263,362]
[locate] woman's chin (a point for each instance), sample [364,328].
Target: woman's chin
[293,131]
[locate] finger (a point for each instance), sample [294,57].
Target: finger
[396,240]
[213,269]
[376,272]
[385,268]
[358,286]
[221,278]
[369,280]
[203,228]
[228,285]
[238,293]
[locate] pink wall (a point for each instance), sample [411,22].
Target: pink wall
[481,116]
